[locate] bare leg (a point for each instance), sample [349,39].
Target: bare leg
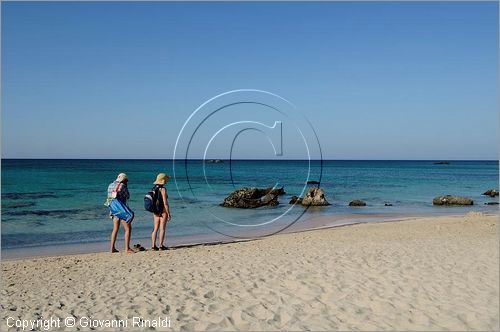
[114,233]
[156,224]
[128,232]
[163,226]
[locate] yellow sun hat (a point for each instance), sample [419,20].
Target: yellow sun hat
[161,178]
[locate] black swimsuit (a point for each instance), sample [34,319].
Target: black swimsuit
[160,203]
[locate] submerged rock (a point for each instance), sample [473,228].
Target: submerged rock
[315,197]
[312,182]
[491,193]
[250,198]
[491,203]
[452,200]
[295,200]
[357,202]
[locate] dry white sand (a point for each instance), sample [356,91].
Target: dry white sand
[421,274]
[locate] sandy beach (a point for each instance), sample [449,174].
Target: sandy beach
[438,273]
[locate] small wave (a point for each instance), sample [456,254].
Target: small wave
[18,196]
[17,205]
[50,213]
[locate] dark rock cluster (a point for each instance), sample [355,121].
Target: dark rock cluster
[452,200]
[250,198]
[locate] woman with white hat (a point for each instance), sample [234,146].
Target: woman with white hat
[118,195]
[161,214]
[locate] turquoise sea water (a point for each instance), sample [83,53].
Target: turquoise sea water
[57,202]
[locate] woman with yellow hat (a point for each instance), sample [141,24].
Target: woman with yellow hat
[162,214]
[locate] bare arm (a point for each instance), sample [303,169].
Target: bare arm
[165,202]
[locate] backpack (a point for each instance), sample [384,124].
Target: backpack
[153,201]
[113,190]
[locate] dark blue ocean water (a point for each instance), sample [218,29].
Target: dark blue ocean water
[54,202]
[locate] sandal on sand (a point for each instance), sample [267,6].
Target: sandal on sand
[154,248]
[163,248]
[138,247]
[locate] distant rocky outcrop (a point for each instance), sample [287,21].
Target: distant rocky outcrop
[388,204]
[315,197]
[441,163]
[357,202]
[452,200]
[215,161]
[251,198]
[491,203]
[491,193]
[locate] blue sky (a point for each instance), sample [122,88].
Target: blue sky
[376,80]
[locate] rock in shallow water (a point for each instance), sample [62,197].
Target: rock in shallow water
[357,202]
[452,200]
[295,200]
[251,198]
[315,197]
[491,193]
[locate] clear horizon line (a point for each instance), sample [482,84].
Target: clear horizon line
[254,159]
